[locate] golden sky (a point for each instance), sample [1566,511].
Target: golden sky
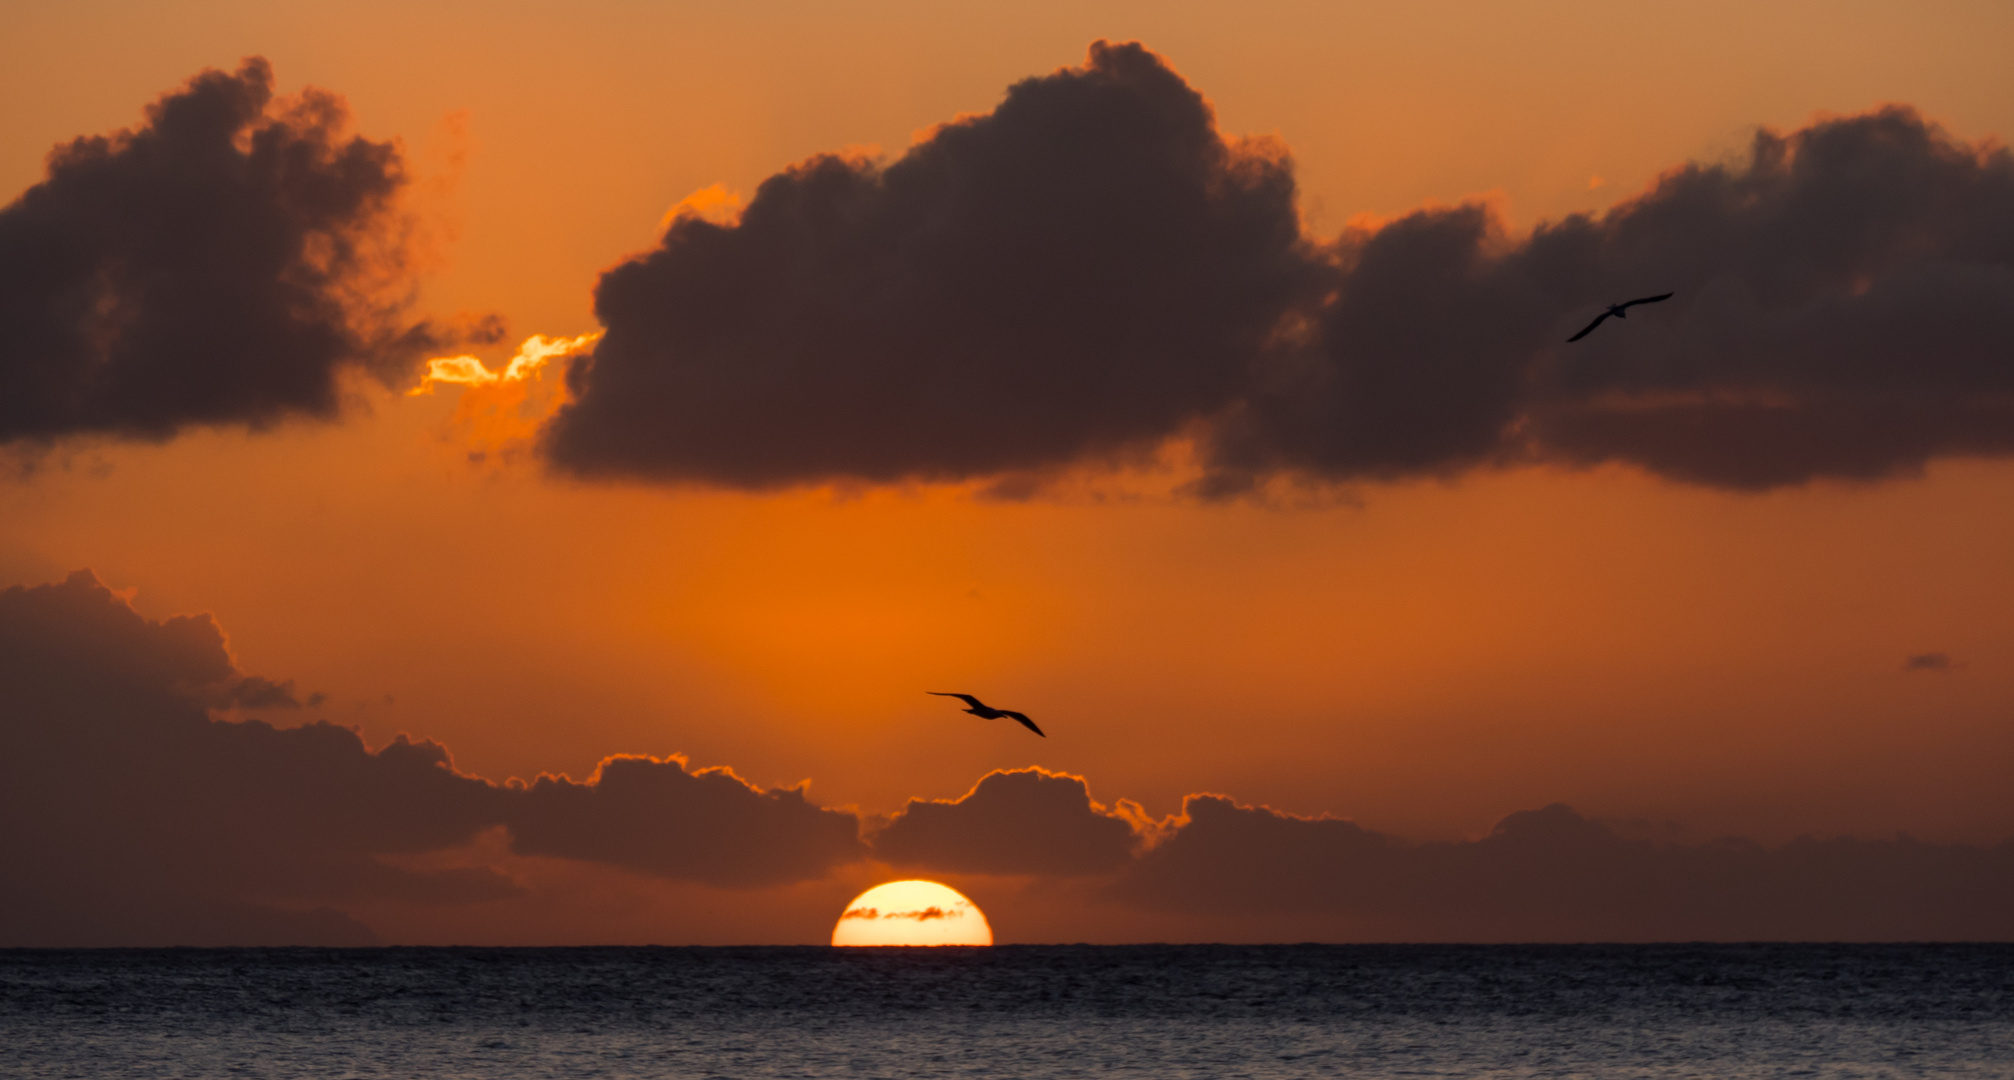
[1421,655]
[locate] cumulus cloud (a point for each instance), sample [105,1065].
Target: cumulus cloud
[709,826]
[1848,311]
[136,817]
[1021,821]
[220,263]
[1086,268]
[1091,269]
[1553,875]
[1844,309]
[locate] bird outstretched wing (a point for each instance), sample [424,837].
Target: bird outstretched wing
[1647,300]
[1025,722]
[966,698]
[1589,329]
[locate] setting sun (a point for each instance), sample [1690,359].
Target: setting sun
[912,913]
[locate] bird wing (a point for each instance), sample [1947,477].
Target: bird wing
[1647,300]
[1025,722]
[1590,326]
[966,698]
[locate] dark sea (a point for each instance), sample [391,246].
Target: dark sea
[1719,1011]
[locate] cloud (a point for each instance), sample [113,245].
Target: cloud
[135,817]
[1092,271]
[710,826]
[1021,821]
[923,915]
[1553,875]
[1087,268]
[1844,309]
[1930,661]
[1848,309]
[222,263]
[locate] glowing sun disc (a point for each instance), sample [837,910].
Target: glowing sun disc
[912,913]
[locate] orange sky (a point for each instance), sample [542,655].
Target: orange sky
[1421,657]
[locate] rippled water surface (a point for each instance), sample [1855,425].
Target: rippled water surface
[1149,1011]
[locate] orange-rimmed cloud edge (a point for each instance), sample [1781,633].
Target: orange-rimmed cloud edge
[144,815]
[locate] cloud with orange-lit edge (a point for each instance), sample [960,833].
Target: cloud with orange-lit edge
[1092,273]
[1015,821]
[141,814]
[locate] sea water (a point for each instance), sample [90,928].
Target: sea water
[1722,1011]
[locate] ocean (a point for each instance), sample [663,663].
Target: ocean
[1721,1011]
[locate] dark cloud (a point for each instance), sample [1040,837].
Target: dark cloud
[1553,875]
[925,915]
[1023,821]
[1417,362]
[1848,311]
[1930,661]
[708,826]
[220,263]
[1091,269]
[1844,309]
[1087,268]
[254,692]
[135,817]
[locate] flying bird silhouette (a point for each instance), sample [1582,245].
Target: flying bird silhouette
[987,712]
[1620,311]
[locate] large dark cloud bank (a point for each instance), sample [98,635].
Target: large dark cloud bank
[1091,269]
[223,262]
[1079,276]
[132,813]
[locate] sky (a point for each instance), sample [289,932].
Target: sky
[1191,379]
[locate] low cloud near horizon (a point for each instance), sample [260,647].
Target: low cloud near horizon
[138,816]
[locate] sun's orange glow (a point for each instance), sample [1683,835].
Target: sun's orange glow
[1421,656]
[912,913]
[500,410]
[531,358]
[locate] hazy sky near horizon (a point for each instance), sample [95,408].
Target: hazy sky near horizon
[1422,654]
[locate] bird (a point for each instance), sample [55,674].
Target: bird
[1620,311]
[987,712]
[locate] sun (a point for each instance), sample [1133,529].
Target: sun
[912,913]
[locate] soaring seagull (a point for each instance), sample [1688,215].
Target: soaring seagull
[987,712]
[1620,311]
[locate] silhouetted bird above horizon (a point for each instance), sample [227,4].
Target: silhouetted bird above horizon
[987,712]
[1620,311]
